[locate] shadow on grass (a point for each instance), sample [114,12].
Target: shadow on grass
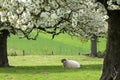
[48,69]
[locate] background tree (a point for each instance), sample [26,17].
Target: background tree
[89,22]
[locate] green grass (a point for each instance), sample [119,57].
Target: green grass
[49,67]
[62,44]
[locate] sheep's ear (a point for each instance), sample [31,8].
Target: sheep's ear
[63,60]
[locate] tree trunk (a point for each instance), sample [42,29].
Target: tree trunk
[93,46]
[3,49]
[111,66]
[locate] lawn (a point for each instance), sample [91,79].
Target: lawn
[61,44]
[49,67]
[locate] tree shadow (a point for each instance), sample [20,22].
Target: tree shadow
[48,69]
[91,67]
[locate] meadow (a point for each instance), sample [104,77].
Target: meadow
[42,60]
[49,67]
[61,45]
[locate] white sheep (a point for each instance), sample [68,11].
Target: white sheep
[70,63]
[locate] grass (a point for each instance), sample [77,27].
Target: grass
[62,44]
[49,67]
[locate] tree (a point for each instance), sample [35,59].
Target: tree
[90,23]
[22,17]
[111,66]
[4,33]
[93,40]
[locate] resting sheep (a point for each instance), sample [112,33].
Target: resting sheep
[70,63]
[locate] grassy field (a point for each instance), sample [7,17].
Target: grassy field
[49,67]
[62,44]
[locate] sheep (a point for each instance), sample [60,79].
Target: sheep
[70,63]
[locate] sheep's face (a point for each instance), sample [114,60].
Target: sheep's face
[63,60]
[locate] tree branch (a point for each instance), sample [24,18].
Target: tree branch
[104,2]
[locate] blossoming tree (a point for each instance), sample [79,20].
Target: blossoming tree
[111,66]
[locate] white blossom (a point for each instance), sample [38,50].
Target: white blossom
[80,17]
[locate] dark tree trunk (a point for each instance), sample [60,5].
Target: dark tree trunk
[111,66]
[3,49]
[93,46]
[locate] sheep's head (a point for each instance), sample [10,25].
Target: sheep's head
[64,60]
